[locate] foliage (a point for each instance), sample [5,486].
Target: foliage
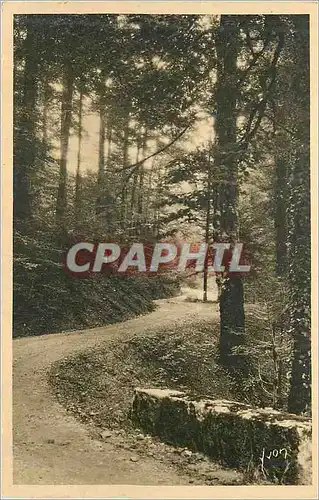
[149,79]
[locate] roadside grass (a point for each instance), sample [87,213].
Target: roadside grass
[97,384]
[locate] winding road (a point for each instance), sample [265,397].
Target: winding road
[52,447]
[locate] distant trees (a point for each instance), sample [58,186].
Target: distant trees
[131,71]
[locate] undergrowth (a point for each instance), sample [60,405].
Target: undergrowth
[51,302]
[97,385]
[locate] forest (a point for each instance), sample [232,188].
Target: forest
[167,128]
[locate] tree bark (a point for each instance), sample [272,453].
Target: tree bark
[141,177]
[299,230]
[299,274]
[101,160]
[232,317]
[46,95]
[25,126]
[135,177]
[124,180]
[109,143]
[77,201]
[66,116]
[280,215]
[207,227]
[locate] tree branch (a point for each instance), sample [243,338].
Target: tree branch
[279,125]
[161,150]
[254,60]
[261,106]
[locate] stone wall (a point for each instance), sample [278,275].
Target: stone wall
[267,443]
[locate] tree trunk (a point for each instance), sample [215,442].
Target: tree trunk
[141,191]
[124,180]
[135,177]
[207,228]
[232,317]
[109,143]
[25,144]
[280,205]
[280,216]
[66,115]
[46,94]
[299,242]
[101,160]
[141,177]
[77,201]
[149,211]
[299,275]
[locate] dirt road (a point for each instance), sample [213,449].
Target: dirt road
[50,446]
